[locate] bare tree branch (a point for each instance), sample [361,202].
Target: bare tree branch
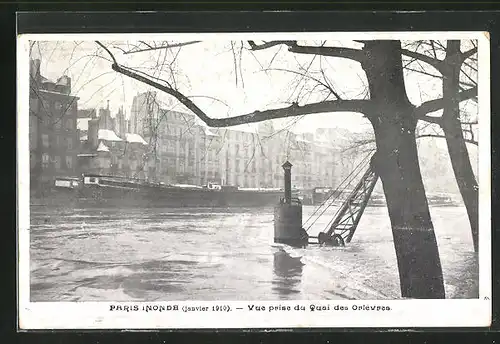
[371,140]
[474,142]
[430,119]
[166,46]
[348,53]
[357,105]
[107,50]
[434,49]
[469,53]
[436,63]
[235,64]
[470,123]
[354,105]
[267,45]
[306,76]
[437,104]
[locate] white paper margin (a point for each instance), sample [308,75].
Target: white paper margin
[402,313]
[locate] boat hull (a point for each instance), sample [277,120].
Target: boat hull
[98,196]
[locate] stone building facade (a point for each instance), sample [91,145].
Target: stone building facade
[53,133]
[189,152]
[108,149]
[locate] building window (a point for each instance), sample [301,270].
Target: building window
[45,160]
[45,140]
[32,160]
[33,120]
[48,120]
[46,106]
[69,161]
[58,106]
[69,124]
[70,143]
[57,162]
[34,105]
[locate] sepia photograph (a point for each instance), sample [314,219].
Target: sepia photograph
[254,175]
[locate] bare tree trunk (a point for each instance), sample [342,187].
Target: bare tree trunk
[464,174]
[397,164]
[455,141]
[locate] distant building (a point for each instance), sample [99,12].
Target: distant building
[144,114]
[187,152]
[109,149]
[84,116]
[105,119]
[121,123]
[212,153]
[108,154]
[177,139]
[53,130]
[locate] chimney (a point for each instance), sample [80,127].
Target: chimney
[68,84]
[92,132]
[63,84]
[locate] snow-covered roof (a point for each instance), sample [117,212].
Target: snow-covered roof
[107,135]
[302,139]
[187,186]
[259,189]
[63,81]
[320,137]
[59,93]
[135,138]
[208,132]
[102,147]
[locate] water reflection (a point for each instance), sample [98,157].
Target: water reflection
[287,274]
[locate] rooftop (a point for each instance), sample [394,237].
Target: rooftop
[135,138]
[102,148]
[209,132]
[58,93]
[107,135]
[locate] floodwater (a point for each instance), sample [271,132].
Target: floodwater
[225,254]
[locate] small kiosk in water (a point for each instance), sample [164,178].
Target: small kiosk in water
[288,216]
[288,226]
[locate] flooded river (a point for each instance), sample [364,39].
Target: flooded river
[224,254]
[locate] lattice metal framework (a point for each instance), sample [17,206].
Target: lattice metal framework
[349,214]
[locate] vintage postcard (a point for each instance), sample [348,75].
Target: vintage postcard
[254,180]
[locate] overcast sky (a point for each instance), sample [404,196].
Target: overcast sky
[242,80]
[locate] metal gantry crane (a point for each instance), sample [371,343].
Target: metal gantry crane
[344,223]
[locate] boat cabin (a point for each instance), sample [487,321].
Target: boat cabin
[87,180]
[214,186]
[66,182]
